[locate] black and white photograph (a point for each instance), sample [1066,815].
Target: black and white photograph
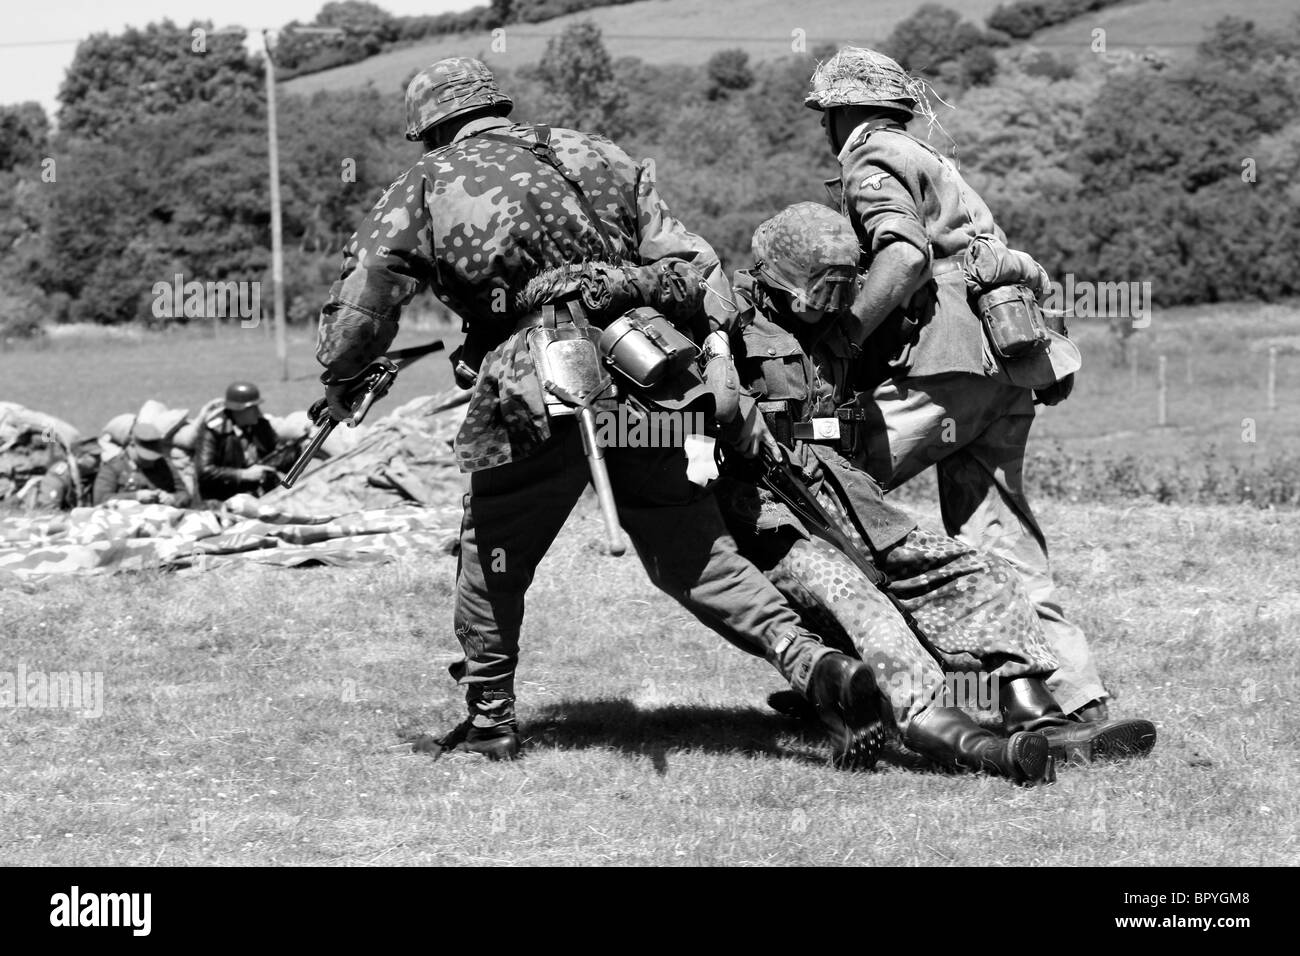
[653,434]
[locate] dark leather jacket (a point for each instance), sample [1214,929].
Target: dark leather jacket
[219,455]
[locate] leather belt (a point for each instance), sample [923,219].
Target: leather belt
[553,315]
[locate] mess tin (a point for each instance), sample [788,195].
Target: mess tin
[646,347]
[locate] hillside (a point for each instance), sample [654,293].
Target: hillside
[658,31]
[689,31]
[1167,25]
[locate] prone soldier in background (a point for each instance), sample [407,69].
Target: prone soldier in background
[142,472]
[938,604]
[504,221]
[232,445]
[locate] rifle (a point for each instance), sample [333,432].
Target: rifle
[779,478]
[371,385]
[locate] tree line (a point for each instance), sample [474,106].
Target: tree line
[1183,174]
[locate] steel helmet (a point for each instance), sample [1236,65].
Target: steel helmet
[811,252]
[241,395]
[449,88]
[856,76]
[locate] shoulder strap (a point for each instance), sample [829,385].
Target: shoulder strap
[542,149]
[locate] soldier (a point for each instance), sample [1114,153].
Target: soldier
[231,444]
[969,609]
[488,208]
[934,391]
[142,472]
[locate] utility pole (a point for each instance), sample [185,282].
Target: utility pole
[277,245]
[273,150]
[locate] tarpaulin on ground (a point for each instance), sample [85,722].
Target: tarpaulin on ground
[404,457]
[396,492]
[130,536]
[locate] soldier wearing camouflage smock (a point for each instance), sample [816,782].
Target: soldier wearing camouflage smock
[937,393]
[489,208]
[968,609]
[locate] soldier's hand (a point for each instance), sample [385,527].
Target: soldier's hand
[257,473]
[338,401]
[148,496]
[1056,393]
[749,433]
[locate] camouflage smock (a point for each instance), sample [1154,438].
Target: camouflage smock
[474,221]
[811,368]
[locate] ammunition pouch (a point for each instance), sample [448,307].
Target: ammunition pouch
[1005,285]
[1013,322]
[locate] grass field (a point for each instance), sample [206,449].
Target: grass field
[255,716]
[88,378]
[258,717]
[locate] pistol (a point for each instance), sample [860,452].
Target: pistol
[372,384]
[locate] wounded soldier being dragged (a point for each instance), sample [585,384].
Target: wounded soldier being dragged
[488,209]
[921,603]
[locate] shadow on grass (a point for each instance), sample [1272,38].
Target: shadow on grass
[654,732]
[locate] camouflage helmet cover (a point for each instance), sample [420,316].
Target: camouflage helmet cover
[811,252]
[449,88]
[856,76]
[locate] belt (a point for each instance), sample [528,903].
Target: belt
[554,314]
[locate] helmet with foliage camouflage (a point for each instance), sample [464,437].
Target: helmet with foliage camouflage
[449,88]
[859,77]
[811,252]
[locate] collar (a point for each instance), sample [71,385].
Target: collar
[862,130]
[481,125]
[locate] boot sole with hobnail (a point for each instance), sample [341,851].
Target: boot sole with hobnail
[1031,758]
[1116,740]
[860,733]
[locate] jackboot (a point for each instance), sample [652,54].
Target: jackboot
[844,694]
[951,737]
[1027,704]
[499,742]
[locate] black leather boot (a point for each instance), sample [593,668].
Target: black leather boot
[1027,704]
[949,736]
[792,704]
[843,692]
[500,742]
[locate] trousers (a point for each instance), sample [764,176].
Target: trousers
[974,430]
[971,622]
[513,513]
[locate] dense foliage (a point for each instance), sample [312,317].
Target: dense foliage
[1183,175]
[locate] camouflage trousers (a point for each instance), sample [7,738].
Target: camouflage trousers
[513,513]
[971,614]
[974,430]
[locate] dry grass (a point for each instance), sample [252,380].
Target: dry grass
[254,717]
